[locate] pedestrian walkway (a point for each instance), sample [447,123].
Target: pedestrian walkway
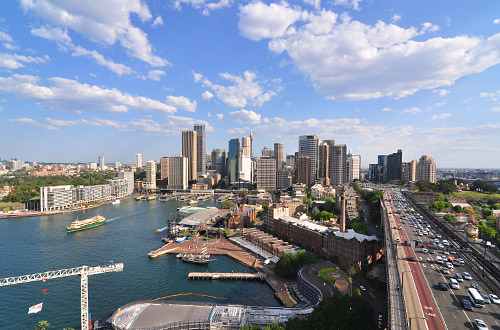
[254,248]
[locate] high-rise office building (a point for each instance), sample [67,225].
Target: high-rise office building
[178,173]
[303,170]
[201,149]
[394,162]
[101,162]
[266,173]
[164,168]
[339,174]
[283,179]
[323,161]
[138,161]
[151,174]
[233,167]
[409,171]
[426,169]
[353,167]
[219,161]
[308,146]
[246,168]
[189,148]
[246,146]
[129,176]
[290,161]
[279,154]
[266,152]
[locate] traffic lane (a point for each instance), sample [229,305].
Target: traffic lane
[429,308]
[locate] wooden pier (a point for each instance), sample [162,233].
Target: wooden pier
[226,276]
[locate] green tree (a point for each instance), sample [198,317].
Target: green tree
[274,326]
[449,218]
[339,313]
[372,275]
[482,186]
[251,327]
[227,205]
[457,209]
[41,325]
[351,271]
[288,265]
[356,292]
[490,232]
[360,227]
[486,212]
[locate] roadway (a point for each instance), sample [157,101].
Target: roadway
[447,304]
[310,274]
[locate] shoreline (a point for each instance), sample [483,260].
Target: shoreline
[38,213]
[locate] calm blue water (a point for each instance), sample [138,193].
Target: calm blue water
[37,244]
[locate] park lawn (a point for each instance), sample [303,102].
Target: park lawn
[323,274]
[474,194]
[10,204]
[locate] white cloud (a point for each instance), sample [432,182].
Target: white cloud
[412,110]
[495,108]
[181,102]
[395,18]
[220,116]
[354,4]
[109,22]
[207,95]
[74,96]
[315,3]
[238,130]
[197,77]
[15,61]
[63,39]
[117,68]
[259,20]
[441,92]
[156,74]
[386,109]
[348,59]
[32,122]
[441,116]
[7,41]
[158,21]
[496,21]
[246,117]
[243,91]
[54,34]
[206,6]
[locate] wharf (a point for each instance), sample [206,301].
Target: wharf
[220,246]
[226,276]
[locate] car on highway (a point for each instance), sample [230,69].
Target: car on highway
[438,236]
[475,286]
[362,288]
[411,258]
[445,270]
[449,264]
[459,277]
[486,298]
[454,284]
[480,325]
[494,298]
[432,251]
[462,261]
[466,276]
[467,304]
[443,286]
[456,262]
[424,250]
[439,260]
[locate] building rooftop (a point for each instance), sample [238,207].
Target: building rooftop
[304,223]
[199,218]
[350,234]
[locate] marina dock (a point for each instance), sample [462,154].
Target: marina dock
[226,276]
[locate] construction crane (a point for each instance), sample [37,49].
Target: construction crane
[83,272]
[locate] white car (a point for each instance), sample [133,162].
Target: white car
[480,324]
[466,276]
[494,298]
[438,236]
[362,288]
[424,250]
[449,264]
[439,260]
[454,284]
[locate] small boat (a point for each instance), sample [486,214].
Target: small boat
[222,198]
[115,202]
[193,202]
[201,259]
[204,198]
[151,198]
[138,198]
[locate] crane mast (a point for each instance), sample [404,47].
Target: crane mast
[83,271]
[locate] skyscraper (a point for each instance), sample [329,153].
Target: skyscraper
[426,169]
[279,154]
[409,171]
[308,146]
[246,146]
[151,174]
[138,161]
[353,167]
[219,161]
[266,173]
[178,173]
[189,148]
[266,152]
[323,161]
[101,162]
[164,168]
[233,167]
[303,170]
[201,152]
[339,175]
[394,162]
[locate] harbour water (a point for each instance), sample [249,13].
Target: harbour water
[37,244]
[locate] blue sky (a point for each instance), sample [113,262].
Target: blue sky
[120,77]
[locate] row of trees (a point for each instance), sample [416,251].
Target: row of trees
[372,198]
[288,265]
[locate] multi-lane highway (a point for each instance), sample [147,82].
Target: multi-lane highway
[441,309]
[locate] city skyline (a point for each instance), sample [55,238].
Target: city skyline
[376,76]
